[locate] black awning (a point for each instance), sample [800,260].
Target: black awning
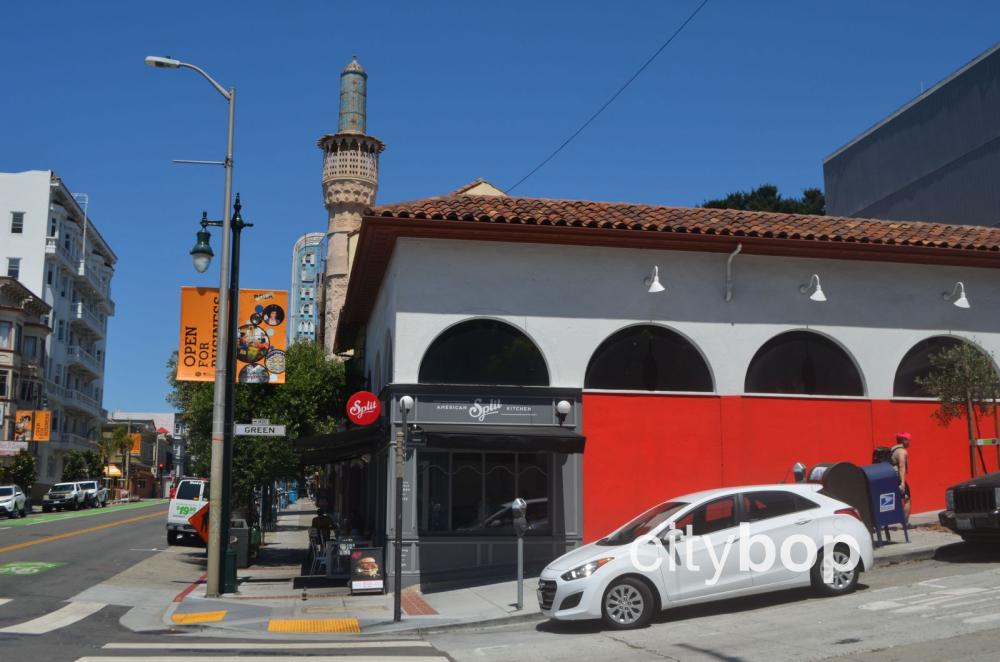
[503,437]
[334,446]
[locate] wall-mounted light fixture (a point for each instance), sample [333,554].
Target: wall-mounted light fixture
[957,296]
[814,289]
[653,283]
[563,408]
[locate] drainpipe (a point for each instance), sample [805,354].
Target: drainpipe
[729,272]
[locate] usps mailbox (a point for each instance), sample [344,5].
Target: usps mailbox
[845,482]
[886,501]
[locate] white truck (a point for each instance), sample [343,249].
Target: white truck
[191,496]
[95,495]
[62,496]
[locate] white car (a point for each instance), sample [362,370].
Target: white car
[13,503]
[709,546]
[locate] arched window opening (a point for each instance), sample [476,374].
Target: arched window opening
[803,363]
[916,365]
[483,352]
[647,358]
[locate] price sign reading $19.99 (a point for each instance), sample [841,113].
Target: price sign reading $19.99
[363,408]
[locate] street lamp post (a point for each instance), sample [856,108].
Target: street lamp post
[221,426]
[405,407]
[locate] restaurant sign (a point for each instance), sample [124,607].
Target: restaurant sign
[489,410]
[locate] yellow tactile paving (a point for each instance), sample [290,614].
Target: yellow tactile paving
[341,625]
[199,617]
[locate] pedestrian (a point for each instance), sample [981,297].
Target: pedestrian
[323,524]
[900,460]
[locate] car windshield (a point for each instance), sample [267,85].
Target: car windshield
[643,524]
[6,491]
[89,485]
[63,487]
[188,491]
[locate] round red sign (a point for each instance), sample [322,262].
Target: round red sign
[363,408]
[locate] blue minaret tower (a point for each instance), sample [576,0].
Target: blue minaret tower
[350,182]
[353,98]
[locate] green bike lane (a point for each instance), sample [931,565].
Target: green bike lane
[43,518]
[46,560]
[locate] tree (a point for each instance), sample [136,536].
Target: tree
[92,461]
[108,448]
[21,472]
[74,467]
[964,380]
[309,402]
[766,198]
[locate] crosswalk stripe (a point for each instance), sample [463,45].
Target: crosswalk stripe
[71,613]
[243,658]
[249,645]
[4,601]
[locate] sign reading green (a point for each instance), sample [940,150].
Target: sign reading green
[28,567]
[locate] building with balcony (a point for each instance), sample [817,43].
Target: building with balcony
[48,243]
[304,299]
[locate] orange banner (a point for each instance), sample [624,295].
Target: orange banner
[136,438]
[32,425]
[261,335]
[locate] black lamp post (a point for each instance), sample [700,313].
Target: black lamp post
[201,256]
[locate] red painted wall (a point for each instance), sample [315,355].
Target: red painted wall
[643,449]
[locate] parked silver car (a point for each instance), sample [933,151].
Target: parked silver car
[94,494]
[13,503]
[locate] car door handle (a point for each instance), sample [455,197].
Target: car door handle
[804,521]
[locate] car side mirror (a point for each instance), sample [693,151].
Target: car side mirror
[672,534]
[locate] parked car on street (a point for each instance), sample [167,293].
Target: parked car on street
[13,503]
[655,562]
[95,494]
[191,496]
[61,496]
[971,509]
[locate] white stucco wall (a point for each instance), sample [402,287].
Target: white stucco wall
[568,299]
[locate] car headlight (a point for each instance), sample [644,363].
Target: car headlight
[6,502]
[585,570]
[949,500]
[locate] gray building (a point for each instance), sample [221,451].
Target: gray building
[936,159]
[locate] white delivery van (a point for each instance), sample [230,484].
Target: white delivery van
[191,496]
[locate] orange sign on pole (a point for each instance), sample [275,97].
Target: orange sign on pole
[32,425]
[136,438]
[200,523]
[261,335]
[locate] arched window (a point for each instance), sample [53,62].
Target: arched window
[917,364]
[483,352]
[647,358]
[802,362]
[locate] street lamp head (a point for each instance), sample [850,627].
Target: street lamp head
[162,62]
[202,253]
[406,404]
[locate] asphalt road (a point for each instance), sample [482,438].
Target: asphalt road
[937,610]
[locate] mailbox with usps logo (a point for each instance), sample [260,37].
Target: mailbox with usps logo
[887,504]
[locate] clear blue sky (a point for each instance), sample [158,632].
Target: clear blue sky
[750,92]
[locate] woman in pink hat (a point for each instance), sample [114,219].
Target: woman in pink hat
[901,461]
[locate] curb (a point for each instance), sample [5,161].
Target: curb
[489,622]
[907,557]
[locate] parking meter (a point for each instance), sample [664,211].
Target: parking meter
[519,510]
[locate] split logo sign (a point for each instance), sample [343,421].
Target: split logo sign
[28,567]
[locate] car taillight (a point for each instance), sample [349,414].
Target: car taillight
[853,512]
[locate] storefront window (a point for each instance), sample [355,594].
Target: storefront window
[802,362]
[471,493]
[483,352]
[647,358]
[917,365]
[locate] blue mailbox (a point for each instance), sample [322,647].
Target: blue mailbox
[886,501]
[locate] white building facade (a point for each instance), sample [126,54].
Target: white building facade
[307,285]
[49,245]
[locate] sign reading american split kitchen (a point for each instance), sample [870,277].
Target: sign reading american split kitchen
[261,335]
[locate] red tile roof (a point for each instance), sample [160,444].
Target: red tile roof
[698,221]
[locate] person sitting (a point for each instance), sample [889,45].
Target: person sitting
[323,524]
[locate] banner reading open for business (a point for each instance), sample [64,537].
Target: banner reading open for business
[261,335]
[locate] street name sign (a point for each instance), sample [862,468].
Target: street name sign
[255,429]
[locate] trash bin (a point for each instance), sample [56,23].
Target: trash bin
[845,482]
[885,502]
[239,542]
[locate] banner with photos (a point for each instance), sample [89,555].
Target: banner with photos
[32,425]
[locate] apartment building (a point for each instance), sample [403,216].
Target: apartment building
[307,270]
[51,247]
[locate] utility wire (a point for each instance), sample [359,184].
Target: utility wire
[609,101]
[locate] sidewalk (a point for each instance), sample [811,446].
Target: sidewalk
[268,603]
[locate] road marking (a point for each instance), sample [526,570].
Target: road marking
[63,536]
[4,601]
[988,618]
[24,568]
[403,643]
[199,617]
[71,613]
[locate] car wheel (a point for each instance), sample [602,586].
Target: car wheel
[627,604]
[842,581]
[46,509]
[24,511]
